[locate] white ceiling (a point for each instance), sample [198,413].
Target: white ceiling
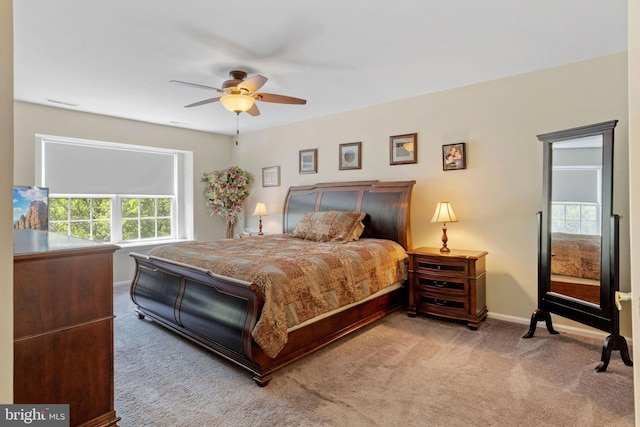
[116,57]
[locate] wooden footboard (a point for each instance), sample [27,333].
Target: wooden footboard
[219,313]
[215,311]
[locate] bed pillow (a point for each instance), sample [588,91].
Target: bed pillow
[357,231]
[330,226]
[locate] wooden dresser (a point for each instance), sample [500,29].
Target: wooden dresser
[450,285]
[63,325]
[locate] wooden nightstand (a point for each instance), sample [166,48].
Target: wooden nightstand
[450,285]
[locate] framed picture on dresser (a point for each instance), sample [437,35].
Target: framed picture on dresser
[30,208]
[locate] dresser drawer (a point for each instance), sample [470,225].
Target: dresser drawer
[444,284]
[449,267]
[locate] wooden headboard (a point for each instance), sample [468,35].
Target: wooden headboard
[387,205]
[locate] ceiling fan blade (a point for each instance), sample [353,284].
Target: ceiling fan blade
[206,101]
[252,84]
[280,99]
[254,111]
[194,85]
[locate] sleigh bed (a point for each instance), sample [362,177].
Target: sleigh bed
[206,301]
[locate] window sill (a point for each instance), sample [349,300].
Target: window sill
[149,244]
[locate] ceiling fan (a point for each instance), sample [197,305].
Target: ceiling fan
[239,93]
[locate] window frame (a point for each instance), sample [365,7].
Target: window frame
[182,227]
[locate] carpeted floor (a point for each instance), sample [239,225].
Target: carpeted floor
[400,371]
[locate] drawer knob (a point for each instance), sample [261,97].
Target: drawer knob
[439,284]
[439,301]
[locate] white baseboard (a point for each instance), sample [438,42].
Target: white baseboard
[126,283]
[588,333]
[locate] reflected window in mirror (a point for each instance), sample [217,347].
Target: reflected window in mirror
[576,205]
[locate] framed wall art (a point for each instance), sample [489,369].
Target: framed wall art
[350,156]
[454,156]
[403,149]
[271,176]
[309,161]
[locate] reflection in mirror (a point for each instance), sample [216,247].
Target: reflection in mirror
[576,218]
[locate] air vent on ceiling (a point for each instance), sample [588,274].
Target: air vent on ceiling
[68,104]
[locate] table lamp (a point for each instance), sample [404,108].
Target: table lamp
[444,213]
[260,211]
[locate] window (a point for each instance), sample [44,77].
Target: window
[84,217]
[116,193]
[146,218]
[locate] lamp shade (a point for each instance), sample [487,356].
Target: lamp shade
[444,213]
[261,210]
[237,103]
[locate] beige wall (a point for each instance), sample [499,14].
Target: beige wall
[496,198]
[210,152]
[6,175]
[634,179]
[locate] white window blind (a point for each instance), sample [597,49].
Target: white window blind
[96,168]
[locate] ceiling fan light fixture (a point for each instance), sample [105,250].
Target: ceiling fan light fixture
[237,103]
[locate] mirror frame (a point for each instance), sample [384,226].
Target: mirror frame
[604,316]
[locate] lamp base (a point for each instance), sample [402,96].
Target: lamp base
[444,249]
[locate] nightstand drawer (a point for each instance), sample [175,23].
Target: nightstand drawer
[441,266]
[437,304]
[450,285]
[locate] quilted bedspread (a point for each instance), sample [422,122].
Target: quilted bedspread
[299,279]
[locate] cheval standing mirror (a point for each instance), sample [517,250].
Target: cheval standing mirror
[578,255]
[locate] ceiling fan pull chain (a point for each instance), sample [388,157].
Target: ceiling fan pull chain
[237,127]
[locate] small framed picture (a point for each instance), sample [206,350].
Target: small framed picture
[403,149]
[309,161]
[271,176]
[454,156]
[350,156]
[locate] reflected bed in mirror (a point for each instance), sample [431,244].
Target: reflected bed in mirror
[575,266]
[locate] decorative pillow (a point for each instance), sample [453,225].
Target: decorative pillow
[357,231]
[330,226]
